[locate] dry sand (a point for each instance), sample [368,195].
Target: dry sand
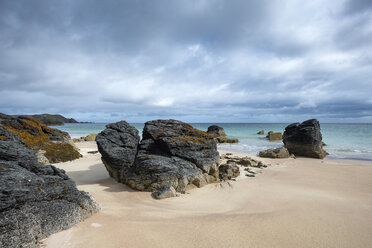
[293,203]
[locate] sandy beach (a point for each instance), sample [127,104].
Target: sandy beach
[292,203]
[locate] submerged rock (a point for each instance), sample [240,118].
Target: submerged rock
[171,153]
[281,152]
[304,139]
[51,145]
[262,132]
[36,200]
[219,135]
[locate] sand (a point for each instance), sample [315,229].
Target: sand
[294,203]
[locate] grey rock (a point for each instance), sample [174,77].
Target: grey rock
[36,200]
[281,152]
[228,171]
[304,139]
[171,153]
[118,146]
[164,192]
[218,133]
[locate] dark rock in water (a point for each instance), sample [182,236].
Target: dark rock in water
[164,192]
[261,132]
[51,145]
[118,146]
[304,139]
[281,152]
[274,136]
[216,131]
[228,171]
[171,153]
[36,200]
[219,135]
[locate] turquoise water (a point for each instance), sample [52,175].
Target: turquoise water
[347,141]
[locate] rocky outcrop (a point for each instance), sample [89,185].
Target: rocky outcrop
[281,152]
[51,145]
[262,132]
[274,136]
[219,135]
[36,200]
[304,139]
[90,137]
[50,120]
[171,154]
[118,145]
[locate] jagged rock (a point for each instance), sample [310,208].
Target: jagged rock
[164,192]
[36,200]
[171,153]
[281,152]
[54,144]
[262,132]
[118,146]
[274,136]
[219,135]
[228,171]
[304,139]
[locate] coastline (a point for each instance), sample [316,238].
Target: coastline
[294,202]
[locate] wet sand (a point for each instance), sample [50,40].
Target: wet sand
[293,203]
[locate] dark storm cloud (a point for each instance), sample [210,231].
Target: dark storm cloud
[193,60]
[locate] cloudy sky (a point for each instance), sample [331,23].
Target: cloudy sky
[198,61]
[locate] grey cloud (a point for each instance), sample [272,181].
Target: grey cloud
[194,60]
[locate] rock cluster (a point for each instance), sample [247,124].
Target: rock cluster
[51,145]
[281,152]
[304,139]
[251,166]
[274,136]
[90,137]
[218,133]
[171,154]
[36,200]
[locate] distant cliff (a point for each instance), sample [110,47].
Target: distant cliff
[50,120]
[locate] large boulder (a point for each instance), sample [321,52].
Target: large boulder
[281,152]
[118,146]
[51,145]
[304,139]
[219,135]
[171,154]
[36,200]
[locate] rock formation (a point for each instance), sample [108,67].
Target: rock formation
[274,136]
[219,135]
[262,132]
[36,200]
[281,152]
[171,154]
[51,145]
[90,137]
[304,139]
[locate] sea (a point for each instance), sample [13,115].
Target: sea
[343,141]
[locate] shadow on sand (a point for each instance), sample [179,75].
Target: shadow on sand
[97,174]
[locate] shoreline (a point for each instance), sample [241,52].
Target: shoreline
[293,203]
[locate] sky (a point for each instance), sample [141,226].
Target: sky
[196,61]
